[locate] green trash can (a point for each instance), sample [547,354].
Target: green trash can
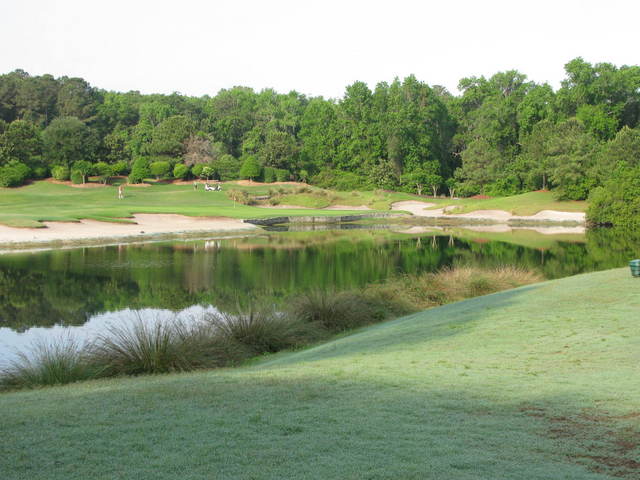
[634,265]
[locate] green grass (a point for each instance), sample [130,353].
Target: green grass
[313,197]
[524,204]
[539,382]
[43,201]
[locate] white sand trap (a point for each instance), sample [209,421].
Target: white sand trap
[557,216]
[417,208]
[500,216]
[146,224]
[347,207]
[282,207]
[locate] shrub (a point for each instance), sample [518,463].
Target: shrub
[227,168]
[62,361]
[180,171]
[103,170]
[264,331]
[139,170]
[250,168]
[160,169]
[508,185]
[239,196]
[207,172]
[83,167]
[417,292]
[197,169]
[282,175]
[40,172]
[336,311]
[618,202]
[61,172]
[120,168]
[269,174]
[13,174]
[151,347]
[339,180]
[76,177]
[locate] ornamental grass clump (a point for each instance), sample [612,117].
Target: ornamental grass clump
[454,284]
[337,312]
[142,347]
[450,284]
[263,330]
[61,361]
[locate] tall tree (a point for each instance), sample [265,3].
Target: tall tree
[76,98]
[21,141]
[67,140]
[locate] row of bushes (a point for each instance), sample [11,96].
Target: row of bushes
[227,168]
[218,340]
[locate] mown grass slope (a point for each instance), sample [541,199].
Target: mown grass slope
[538,382]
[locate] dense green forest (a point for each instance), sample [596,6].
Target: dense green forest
[502,135]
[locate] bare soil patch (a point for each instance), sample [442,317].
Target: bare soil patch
[611,442]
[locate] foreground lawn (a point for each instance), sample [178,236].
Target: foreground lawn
[524,204]
[44,201]
[539,382]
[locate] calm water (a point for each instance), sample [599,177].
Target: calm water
[81,290]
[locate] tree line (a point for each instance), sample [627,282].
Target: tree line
[501,135]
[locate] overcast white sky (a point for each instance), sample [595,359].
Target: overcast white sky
[197,47]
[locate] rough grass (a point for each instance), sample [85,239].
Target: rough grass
[338,311]
[418,292]
[264,330]
[535,383]
[62,361]
[151,347]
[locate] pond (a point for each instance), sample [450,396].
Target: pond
[43,294]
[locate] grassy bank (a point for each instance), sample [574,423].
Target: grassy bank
[534,383]
[218,340]
[524,204]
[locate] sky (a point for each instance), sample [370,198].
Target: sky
[198,47]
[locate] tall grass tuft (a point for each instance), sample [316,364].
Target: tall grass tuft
[417,292]
[157,347]
[337,312]
[55,363]
[264,330]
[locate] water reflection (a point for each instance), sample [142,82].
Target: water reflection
[13,341]
[53,289]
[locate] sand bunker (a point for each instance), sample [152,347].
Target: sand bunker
[499,216]
[348,207]
[146,224]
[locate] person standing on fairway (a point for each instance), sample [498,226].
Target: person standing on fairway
[120,192]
